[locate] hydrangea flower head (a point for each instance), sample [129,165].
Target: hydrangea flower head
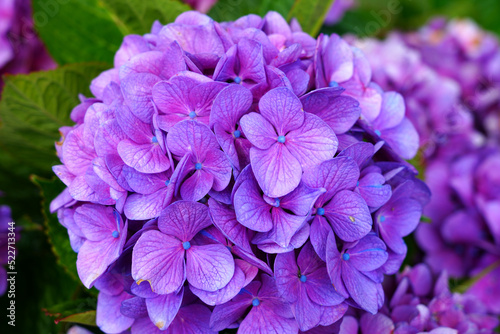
[237,180]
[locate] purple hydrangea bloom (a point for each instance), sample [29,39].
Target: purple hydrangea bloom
[226,165]
[21,51]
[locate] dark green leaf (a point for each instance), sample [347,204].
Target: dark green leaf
[310,14]
[18,190]
[80,311]
[137,16]
[77,30]
[34,106]
[57,234]
[230,10]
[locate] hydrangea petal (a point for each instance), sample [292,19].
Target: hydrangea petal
[209,267]
[225,294]
[258,130]
[277,171]
[159,259]
[183,219]
[368,254]
[312,143]
[339,112]
[145,158]
[361,289]
[349,215]
[282,109]
[163,309]
[224,218]
[108,315]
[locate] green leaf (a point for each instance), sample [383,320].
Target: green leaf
[34,106]
[425,219]
[310,14]
[56,233]
[77,30]
[18,190]
[80,311]
[137,16]
[230,10]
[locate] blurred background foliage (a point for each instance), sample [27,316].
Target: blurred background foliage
[33,107]
[412,14]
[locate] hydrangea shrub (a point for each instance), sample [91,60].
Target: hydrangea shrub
[237,175]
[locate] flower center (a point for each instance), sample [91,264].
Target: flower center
[303,278]
[237,133]
[255,302]
[192,114]
[167,182]
[333,84]
[186,245]
[382,219]
[377,132]
[115,234]
[154,139]
[197,166]
[277,203]
[281,139]
[345,256]
[237,80]
[320,211]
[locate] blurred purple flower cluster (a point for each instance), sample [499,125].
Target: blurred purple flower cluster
[202,6]
[419,303]
[433,101]
[21,51]
[464,237]
[338,9]
[5,219]
[241,174]
[447,75]
[461,50]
